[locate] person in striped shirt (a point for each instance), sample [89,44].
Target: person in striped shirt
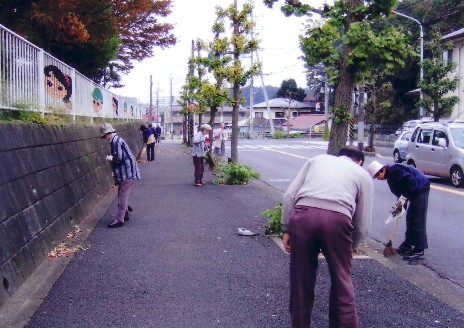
[125,171]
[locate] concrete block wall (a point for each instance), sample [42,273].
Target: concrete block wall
[51,177]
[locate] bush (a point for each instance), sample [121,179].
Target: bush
[279,135]
[274,224]
[296,135]
[234,174]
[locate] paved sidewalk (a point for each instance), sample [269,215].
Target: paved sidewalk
[179,262]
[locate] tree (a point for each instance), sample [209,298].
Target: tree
[100,38]
[349,47]
[235,72]
[437,82]
[288,89]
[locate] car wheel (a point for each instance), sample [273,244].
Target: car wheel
[456,176]
[396,156]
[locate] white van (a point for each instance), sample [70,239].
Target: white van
[438,149]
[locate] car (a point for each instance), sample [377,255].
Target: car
[437,149]
[400,147]
[410,125]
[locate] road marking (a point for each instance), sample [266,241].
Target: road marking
[457,192]
[285,153]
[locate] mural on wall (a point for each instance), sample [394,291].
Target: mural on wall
[115,106]
[57,84]
[97,103]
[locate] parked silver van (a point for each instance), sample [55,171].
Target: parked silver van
[438,149]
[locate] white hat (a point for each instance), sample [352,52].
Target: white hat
[106,128]
[374,168]
[205,127]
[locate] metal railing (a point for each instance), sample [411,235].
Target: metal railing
[31,79]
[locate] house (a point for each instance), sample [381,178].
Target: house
[307,123]
[456,54]
[280,110]
[173,119]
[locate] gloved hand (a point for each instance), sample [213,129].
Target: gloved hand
[404,202]
[109,158]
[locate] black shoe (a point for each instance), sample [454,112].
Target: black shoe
[126,217]
[130,209]
[414,255]
[404,249]
[115,225]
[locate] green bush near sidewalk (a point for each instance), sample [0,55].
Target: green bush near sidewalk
[234,173]
[273,224]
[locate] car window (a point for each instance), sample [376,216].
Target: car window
[406,136]
[458,136]
[424,136]
[437,134]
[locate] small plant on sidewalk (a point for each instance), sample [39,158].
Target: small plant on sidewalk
[234,173]
[273,224]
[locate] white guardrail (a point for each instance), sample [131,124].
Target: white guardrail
[32,79]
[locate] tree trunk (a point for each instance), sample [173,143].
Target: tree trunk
[235,128]
[343,98]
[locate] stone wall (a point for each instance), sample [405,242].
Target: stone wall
[51,177]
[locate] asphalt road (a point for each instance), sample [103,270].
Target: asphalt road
[278,161]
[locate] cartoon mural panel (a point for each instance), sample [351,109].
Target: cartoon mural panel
[57,84]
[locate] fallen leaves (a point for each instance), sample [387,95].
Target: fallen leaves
[71,245]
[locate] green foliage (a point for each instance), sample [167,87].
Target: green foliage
[326,134]
[289,89]
[437,82]
[234,174]
[340,114]
[23,116]
[274,223]
[279,135]
[296,135]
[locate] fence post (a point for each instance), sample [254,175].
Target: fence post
[41,79]
[73,96]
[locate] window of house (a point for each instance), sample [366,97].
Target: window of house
[279,115]
[258,114]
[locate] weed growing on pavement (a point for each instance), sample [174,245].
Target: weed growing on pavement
[273,224]
[234,173]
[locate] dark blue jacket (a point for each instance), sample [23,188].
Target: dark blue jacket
[147,133]
[406,180]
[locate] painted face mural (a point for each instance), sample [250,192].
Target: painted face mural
[57,84]
[97,102]
[115,106]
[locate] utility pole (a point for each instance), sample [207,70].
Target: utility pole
[157,101]
[251,94]
[361,117]
[150,119]
[170,108]
[271,124]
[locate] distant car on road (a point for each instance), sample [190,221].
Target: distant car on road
[400,148]
[437,149]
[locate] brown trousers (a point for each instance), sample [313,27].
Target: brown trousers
[313,230]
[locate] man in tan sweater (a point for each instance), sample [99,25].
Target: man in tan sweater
[328,208]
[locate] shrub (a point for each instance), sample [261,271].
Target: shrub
[279,135]
[296,135]
[234,173]
[274,224]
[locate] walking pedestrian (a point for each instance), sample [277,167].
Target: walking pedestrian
[328,208]
[198,153]
[125,171]
[150,140]
[219,143]
[412,187]
[158,133]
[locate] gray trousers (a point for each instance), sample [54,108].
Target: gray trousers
[124,190]
[313,230]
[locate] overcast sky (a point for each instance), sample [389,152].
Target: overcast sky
[279,50]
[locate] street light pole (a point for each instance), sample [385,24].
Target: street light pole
[421,111]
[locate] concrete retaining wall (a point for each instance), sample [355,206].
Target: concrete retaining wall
[50,179]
